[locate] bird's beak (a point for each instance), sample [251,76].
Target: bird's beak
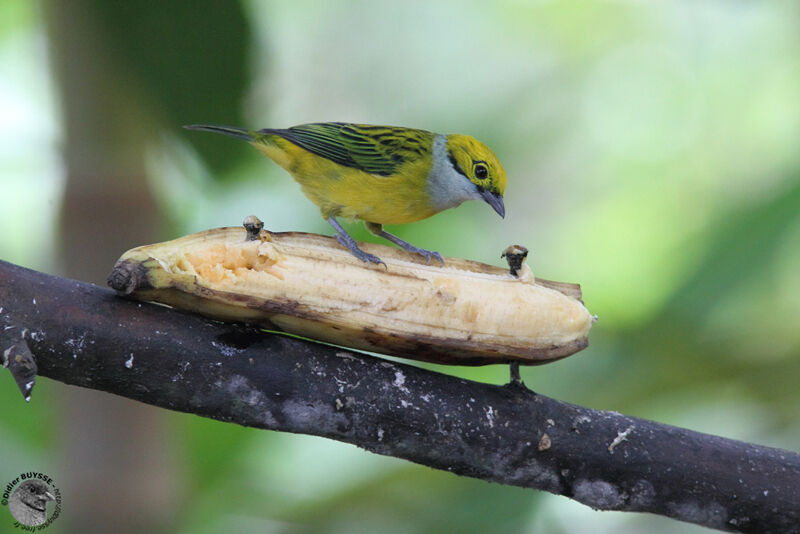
[495,200]
[48,496]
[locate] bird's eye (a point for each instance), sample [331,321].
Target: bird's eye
[32,489]
[481,171]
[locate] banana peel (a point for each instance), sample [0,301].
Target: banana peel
[462,313]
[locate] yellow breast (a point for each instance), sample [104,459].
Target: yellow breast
[343,191]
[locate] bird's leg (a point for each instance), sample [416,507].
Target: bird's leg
[378,230]
[344,238]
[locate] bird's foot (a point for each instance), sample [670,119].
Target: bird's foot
[427,254]
[349,243]
[378,230]
[358,253]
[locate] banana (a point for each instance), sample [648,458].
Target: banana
[465,313]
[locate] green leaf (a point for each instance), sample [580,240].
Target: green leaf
[190,58]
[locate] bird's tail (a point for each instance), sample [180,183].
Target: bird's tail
[225,130]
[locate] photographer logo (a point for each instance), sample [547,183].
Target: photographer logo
[33,501]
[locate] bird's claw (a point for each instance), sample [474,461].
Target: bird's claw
[427,254]
[371,258]
[438,258]
[360,254]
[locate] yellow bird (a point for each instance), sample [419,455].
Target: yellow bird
[380,174]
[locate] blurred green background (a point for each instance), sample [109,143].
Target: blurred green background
[652,154]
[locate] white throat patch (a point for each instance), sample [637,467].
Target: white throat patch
[447,187]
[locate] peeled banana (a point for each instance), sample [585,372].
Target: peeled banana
[464,313]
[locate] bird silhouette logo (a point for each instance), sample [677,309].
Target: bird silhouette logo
[28,503]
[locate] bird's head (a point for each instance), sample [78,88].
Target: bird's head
[476,161]
[35,494]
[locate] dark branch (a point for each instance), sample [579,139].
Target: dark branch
[87,336]
[17,356]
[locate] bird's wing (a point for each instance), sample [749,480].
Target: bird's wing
[374,149]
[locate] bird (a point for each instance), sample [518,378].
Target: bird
[379,174]
[28,503]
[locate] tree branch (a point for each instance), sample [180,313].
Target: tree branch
[87,336]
